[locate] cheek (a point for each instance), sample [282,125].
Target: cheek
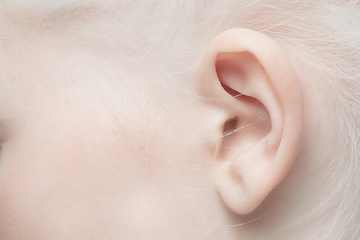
[75,172]
[55,178]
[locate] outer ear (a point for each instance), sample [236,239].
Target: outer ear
[257,87]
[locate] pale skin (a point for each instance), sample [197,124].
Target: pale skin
[71,166]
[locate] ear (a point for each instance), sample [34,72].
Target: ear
[254,83]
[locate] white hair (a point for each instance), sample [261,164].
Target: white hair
[323,37]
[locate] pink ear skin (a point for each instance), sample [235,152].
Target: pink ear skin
[256,85]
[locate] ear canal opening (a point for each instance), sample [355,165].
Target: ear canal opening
[230,126]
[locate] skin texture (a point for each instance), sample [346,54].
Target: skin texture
[72,168]
[84,158]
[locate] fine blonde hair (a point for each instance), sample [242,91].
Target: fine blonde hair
[322,38]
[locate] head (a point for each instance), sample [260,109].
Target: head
[174,120]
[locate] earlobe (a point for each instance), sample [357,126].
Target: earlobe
[258,88]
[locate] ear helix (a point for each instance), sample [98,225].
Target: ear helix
[262,127]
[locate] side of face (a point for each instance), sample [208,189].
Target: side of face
[82,157]
[92,150]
